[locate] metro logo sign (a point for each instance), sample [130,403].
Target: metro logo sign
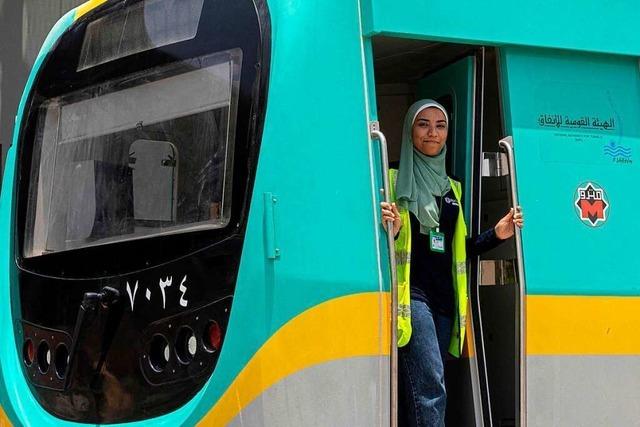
[591,203]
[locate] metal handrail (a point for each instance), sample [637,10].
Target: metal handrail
[377,134]
[507,145]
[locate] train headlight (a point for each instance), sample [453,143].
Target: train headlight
[44,356]
[159,353]
[186,345]
[61,360]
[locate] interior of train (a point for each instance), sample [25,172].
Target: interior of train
[465,79]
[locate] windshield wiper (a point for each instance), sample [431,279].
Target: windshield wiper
[107,300]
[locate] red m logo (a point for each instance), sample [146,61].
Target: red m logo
[592,210]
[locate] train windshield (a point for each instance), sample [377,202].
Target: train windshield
[134,157]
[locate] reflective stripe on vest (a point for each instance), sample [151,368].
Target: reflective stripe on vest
[459,272]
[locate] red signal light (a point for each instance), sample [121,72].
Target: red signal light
[213,336]
[28,352]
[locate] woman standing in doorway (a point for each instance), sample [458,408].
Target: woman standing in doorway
[431,248]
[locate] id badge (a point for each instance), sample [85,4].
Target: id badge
[436,239]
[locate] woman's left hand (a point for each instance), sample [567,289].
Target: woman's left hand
[505,227]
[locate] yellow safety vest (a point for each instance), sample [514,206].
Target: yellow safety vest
[459,267]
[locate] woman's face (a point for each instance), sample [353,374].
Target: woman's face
[430,131]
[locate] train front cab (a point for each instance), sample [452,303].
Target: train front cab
[551,337]
[125,206]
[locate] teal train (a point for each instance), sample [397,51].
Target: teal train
[191,216]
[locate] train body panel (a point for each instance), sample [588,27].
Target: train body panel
[308,338]
[571,25]
[301,166]
[587,264]
[582,352]
[299,349]
[294,401]
[558,158]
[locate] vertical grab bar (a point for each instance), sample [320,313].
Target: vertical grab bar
[507,145]
[384,159]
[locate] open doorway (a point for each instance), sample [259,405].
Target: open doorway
[481,385]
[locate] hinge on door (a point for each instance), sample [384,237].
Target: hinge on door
[374,126]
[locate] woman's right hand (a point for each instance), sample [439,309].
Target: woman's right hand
[390,213]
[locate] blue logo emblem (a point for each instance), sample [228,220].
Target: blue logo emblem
[618,153]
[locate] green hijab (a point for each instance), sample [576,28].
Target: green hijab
[420,177]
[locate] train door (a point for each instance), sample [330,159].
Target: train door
[572,119]
[481,384]
[493,278]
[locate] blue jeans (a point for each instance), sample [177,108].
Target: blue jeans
[421,368]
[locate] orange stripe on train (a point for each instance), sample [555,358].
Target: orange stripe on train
[88,7]
[583,325]
[337,329]
[4,420]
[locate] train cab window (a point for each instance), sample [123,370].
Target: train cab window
[138,28]
[142,155]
